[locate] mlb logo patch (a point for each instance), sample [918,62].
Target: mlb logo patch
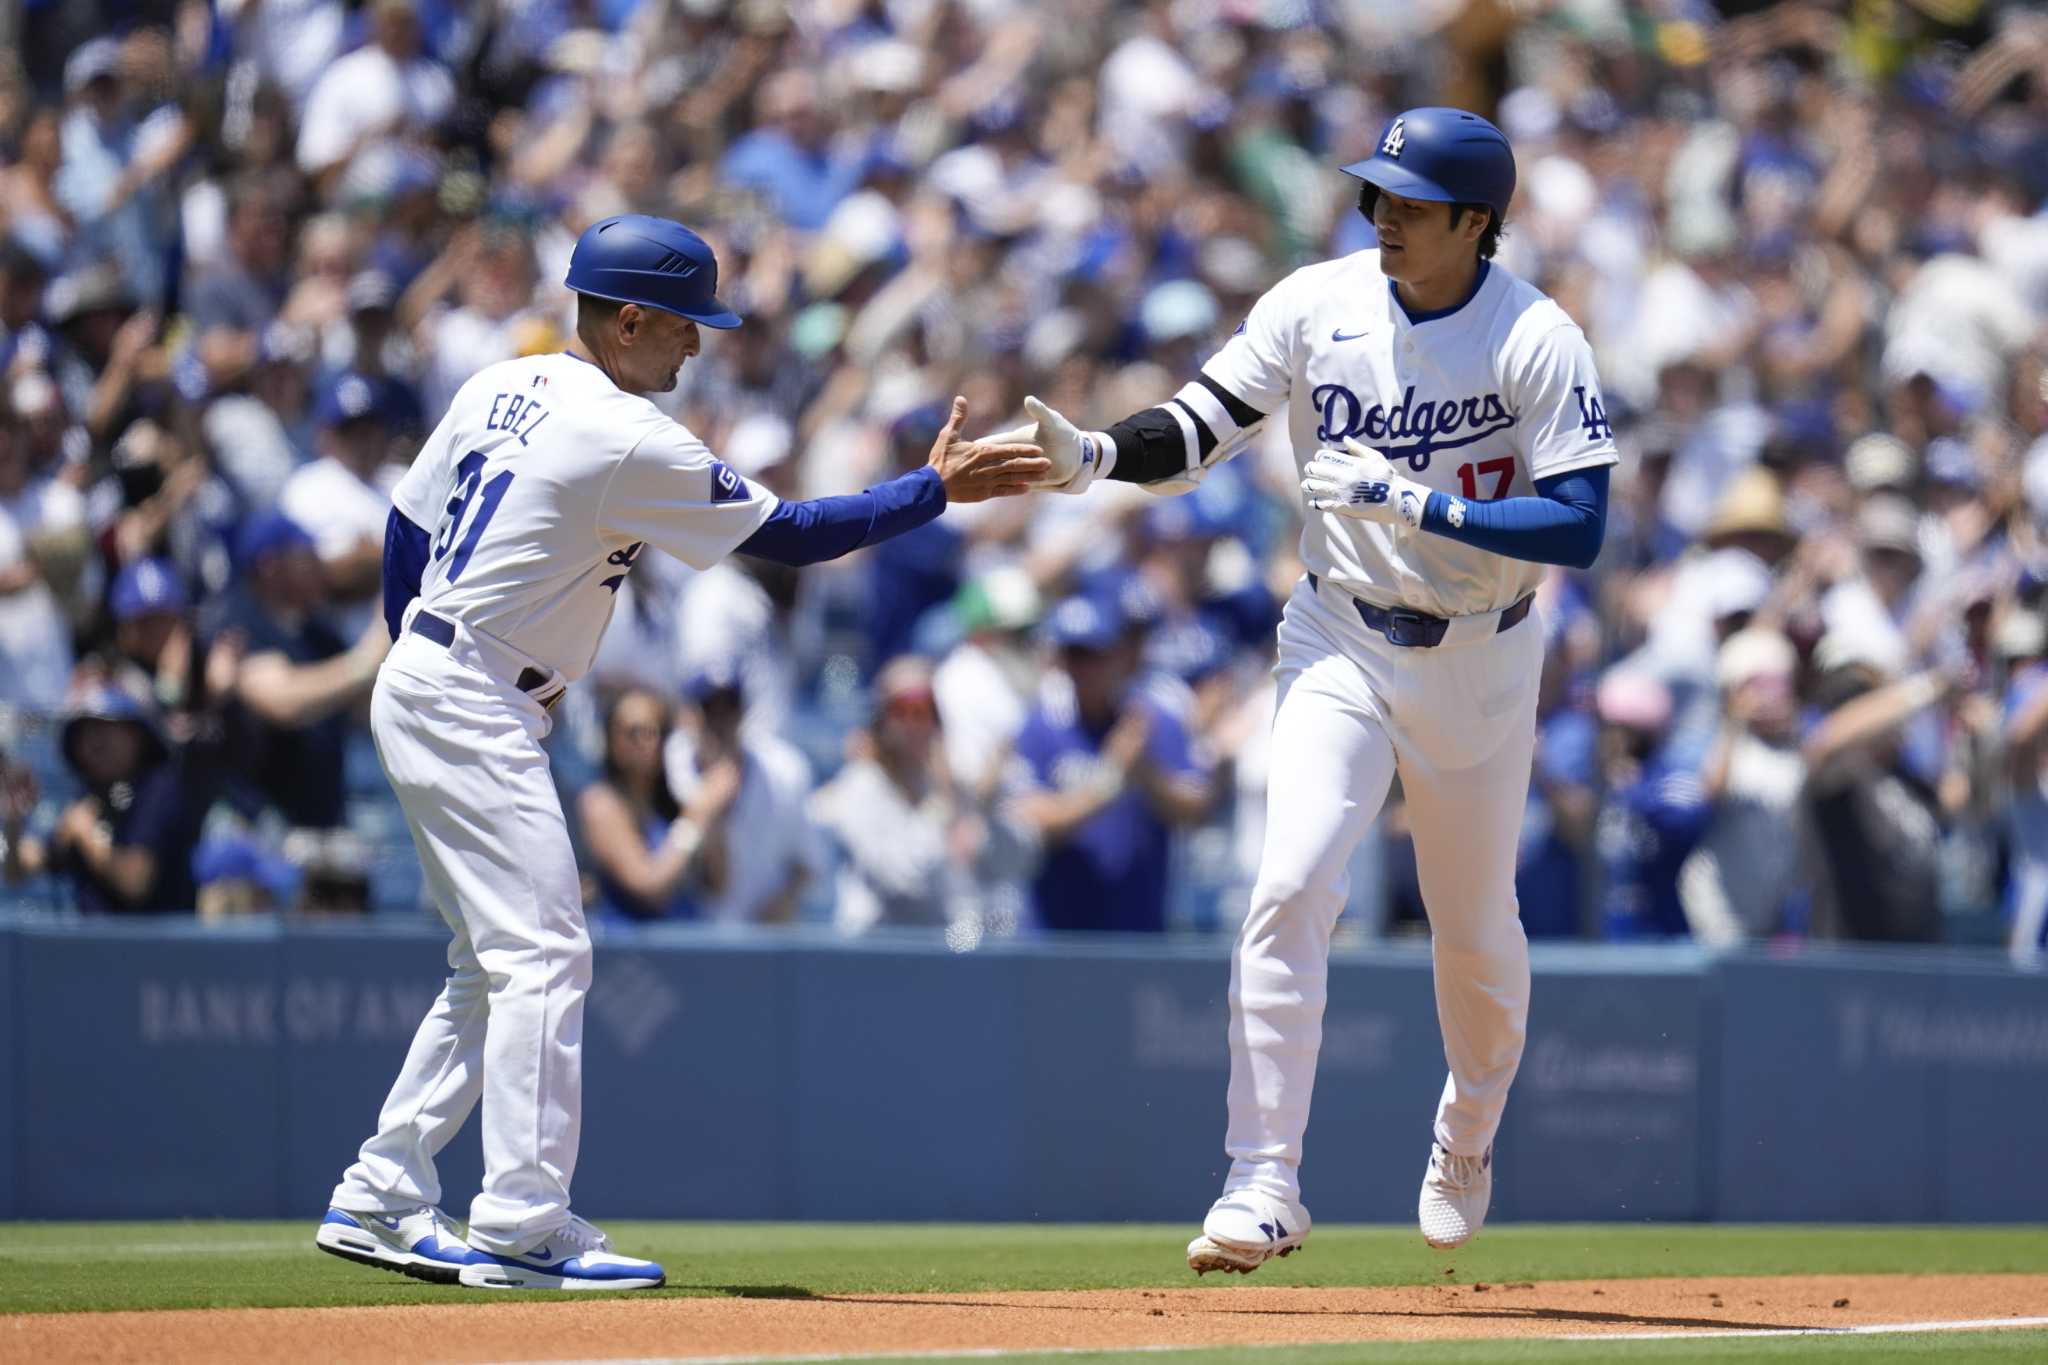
[726,486]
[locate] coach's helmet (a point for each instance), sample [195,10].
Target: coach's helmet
[1445,156]
[656,263]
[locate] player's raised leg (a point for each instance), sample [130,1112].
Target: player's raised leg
[1332,765]
[1466,822]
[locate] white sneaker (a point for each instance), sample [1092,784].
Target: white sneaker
[419,1242]
[1455,1193]
[1245,1229]
[574,1256]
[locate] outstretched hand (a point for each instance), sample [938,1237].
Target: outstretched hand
[1067,448]
[974,471]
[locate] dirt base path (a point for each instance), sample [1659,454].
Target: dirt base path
[469,1330]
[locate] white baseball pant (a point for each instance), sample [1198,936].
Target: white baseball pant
[1458,722]
[463,751]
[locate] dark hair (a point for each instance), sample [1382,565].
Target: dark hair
[665,803]
[592,311]
[1489,240]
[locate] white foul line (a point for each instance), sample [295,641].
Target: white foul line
[1026,1353]
[1972,1325]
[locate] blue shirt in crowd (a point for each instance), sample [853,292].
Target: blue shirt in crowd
[1110,873]
[163,818]
[1646,831]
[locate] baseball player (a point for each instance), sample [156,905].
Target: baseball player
[507,541]
[1452,441]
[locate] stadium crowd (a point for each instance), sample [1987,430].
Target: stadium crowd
[248,250]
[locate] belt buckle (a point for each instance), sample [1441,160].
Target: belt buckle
[1410,628]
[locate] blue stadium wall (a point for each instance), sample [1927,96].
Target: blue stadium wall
[167,1072]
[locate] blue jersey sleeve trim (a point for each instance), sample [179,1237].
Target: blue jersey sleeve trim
[818,529]
[1564,524]
[405,564]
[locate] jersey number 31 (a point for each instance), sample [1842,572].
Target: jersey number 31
[469,478]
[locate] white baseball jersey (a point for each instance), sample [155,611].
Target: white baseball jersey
[1479,402]
[540,488]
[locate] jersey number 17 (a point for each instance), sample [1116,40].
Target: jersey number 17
[469,480]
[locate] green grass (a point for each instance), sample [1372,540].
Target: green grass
[55,1267]
[70,1267]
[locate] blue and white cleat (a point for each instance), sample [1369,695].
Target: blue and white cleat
[419,1242]
[574,1256]
[1245,1229]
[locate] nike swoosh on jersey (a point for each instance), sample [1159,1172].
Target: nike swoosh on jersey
[1338,335]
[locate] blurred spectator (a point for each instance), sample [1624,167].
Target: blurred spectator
[158,655]
[344,496]
[234,300]
[2023,642]
[766,857]
[1743,880]
[331,870]
[126,845]
[386,88]
[790,158]
[42,537]
[653,859]
[298,677]
[117,148]
[911,848]
[1652,815]
[1105,775]
[985,685]
[1879,823]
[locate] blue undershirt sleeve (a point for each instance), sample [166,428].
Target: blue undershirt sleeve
[819,529]
[405,563]
[1563,524]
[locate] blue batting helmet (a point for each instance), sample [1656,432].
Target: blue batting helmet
[656,263]
[1446,156]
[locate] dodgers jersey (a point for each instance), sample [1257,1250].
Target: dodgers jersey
[542,485]
[1479,402]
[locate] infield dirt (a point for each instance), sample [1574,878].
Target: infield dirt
[468,1329]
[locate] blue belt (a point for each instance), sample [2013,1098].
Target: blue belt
[532,681]
[1419,630]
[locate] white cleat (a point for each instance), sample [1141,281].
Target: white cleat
[1455,1193]
[419,1242]
[574,1256]
[1246,1229]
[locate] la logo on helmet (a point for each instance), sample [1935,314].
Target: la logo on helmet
[1395,137]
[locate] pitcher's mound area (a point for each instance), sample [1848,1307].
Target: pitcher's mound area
[471,1328]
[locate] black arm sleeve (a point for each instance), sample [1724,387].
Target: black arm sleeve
[1154,444]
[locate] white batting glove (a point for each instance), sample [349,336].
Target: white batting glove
[1078,457]
[1358,482]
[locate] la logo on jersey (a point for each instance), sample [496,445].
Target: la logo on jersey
[1592,416]
[1397,138]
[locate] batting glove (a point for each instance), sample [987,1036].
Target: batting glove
[1078,457]
[1361,484]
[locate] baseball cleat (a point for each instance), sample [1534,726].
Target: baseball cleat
[574,1256]
[1244,1230]
[1455,1193]
[419,1242]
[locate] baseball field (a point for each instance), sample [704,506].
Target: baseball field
[232,1292]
